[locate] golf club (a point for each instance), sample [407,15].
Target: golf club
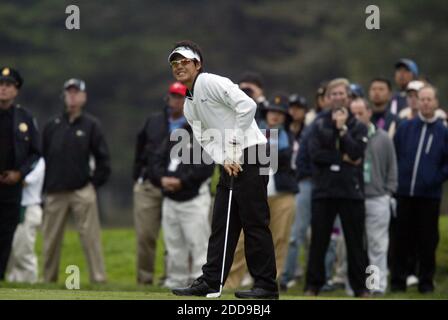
[218,294]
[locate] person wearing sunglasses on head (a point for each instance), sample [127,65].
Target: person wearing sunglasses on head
[215,104]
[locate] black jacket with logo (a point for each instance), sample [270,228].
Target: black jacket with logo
[192,175]
[332,177]
[26,143]
[154,131]
[67,148]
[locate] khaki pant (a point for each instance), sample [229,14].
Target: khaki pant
[282,210]
[23,260]
[82,203]
[147,220]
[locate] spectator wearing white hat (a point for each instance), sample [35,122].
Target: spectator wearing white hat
[411,111]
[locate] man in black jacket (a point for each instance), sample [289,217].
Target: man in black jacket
[337,144]
[147,195]
[69,140]
[19,152]
[186,187]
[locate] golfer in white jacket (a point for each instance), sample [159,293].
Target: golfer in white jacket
[222,118]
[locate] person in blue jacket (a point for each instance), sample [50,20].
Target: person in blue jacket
[422,153]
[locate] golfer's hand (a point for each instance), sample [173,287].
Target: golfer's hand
[10,177]
[171,184]
[232,168]
[175,184]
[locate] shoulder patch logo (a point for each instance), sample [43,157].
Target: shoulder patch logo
[23,127]
[277,100]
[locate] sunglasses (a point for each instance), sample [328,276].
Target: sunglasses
[182,62]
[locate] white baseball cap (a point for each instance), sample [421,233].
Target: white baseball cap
[415,85]
[185,52]
[77,83]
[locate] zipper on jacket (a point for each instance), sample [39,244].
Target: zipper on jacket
[429,144]
[417,158]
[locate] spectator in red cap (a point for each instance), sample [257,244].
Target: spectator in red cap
[422,154]
[147,196]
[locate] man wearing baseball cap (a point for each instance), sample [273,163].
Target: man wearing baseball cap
[411,111]
[19,152]
[69,140]
[406,70]
[147,193]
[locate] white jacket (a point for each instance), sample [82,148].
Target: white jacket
[217,103]
[34,181]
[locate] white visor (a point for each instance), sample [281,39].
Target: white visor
[185,52]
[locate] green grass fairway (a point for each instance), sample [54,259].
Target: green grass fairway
[119,249]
